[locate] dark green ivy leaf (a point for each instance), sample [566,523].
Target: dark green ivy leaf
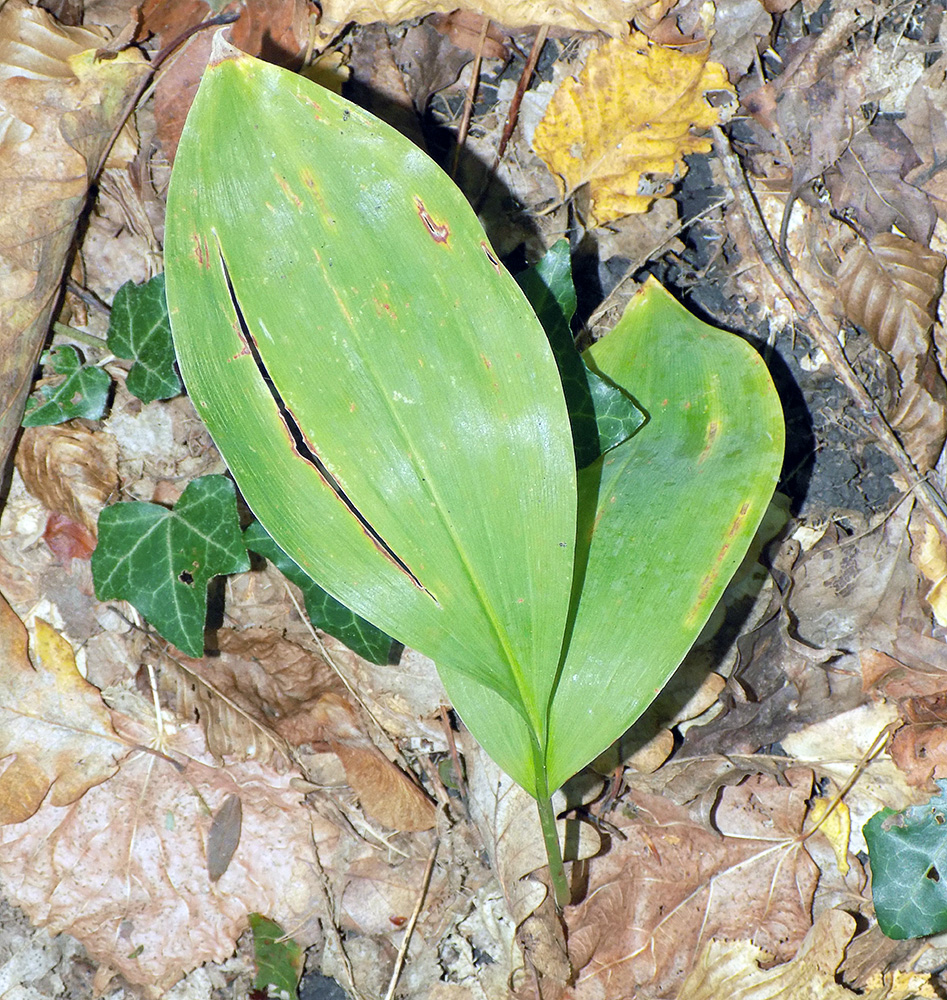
[602,415]
[161,560]
[83,392]
[279,959]
[139,330]
[907,852]
[324,611]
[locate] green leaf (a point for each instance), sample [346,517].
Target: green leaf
[323,609]
[83,392]
[377,382]
[161,560]
[664,521]
[907,852]
[279,959]
[139,330]
[602,414]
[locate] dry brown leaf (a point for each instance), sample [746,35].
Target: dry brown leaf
[386,793]
[925,124]
[672,885]
[70,470]
[609,16]
[920,751]
[123,869]
[58,109]
[463,28]
[741,969]
[624,126]
[56,736]
[891,288]
[929,554]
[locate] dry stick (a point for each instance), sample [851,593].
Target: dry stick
[512,115]
[409,930]
[822,336]
[469,97]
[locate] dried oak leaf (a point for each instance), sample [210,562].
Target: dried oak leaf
[58,108]
[56,735]
[70,470]
[672,885]
[124,868]
[891,288]
[625,125]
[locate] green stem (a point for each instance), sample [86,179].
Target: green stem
[557,873]
[71,333]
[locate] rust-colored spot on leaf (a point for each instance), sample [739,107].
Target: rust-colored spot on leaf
[284,185]
[713,428]
[439,233]
[487,363]
[708,582]
[200,250]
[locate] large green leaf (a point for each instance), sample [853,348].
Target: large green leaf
[379,386]
[664,521]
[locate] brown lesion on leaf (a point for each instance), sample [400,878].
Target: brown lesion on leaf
[710,436]
[710,579]
[201,254]
[439,232]
[288,191]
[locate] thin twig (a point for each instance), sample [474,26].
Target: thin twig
[820,334]
[512,116]
[409,929]
[469,97]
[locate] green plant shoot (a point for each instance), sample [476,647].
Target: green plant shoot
[390,408]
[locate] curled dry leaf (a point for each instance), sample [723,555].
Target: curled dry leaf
[56,736]
[672,885]
[123,868]
[58,109]
[70,470]
[891,288]
[609,16]
[386,793]
[740,968]
[624,126]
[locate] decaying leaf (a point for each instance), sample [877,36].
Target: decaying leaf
[741,969]
[70,470]
[123,868]
[385,792]
[624,126]
[59,106]
[672,885]
[929,554]
[56,736]
[891,288]
[609,16]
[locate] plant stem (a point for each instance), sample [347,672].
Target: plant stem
[557,873]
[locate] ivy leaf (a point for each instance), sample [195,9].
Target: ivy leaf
[279,959]
[324,611]
[161,560]
[139,330]
[83,391]
[601,414]
[908,856]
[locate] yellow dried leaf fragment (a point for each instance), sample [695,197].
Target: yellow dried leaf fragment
[624,126]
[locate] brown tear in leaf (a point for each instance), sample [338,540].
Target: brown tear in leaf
[891,289]
[72,471]
[224,836]
[60,107]
[624,126]
[123,868]
[672,885]
[386,793]
[56,736]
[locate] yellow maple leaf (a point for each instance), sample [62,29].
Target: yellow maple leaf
[624,126]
